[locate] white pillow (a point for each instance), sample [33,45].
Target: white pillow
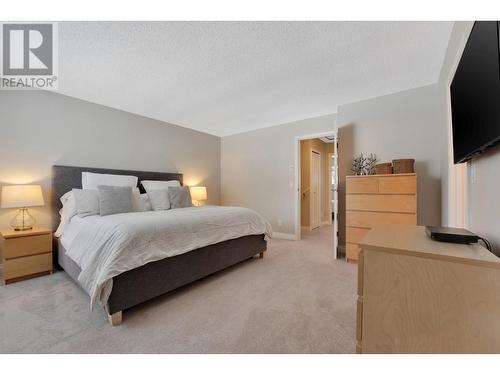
[90,180]
[159,199]
[87,202]
[141,202]
[158,193]
[159,185]
[67,211]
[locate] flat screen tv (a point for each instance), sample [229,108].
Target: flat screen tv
[475,93]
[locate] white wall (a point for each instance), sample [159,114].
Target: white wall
[39,129]
[484,196]
[483,179]
[257,166]
[257,169]
[453,202]
[401,125]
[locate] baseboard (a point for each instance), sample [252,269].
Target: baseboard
[284,236]
[306,228]
[328,222]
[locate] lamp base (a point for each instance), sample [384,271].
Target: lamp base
[23,220]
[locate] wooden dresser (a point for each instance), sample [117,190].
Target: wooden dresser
[416,295]
[377,199]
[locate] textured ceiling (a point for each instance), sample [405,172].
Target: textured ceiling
[228,77]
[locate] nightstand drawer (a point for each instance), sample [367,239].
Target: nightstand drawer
[28,245]
[26,266]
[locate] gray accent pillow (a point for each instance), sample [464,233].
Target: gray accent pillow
[159,199]
[114,199]
[179,196]
[86,202]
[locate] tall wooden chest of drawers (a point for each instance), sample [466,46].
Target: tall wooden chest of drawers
[377,199]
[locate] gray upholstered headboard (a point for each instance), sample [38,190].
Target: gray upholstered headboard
[65,178]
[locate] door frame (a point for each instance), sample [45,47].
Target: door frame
[330,195]
[320,188]
[297,179]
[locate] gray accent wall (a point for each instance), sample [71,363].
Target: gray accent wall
[39,129]
[398,126]
[258,169]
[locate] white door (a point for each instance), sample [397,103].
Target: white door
[315,190]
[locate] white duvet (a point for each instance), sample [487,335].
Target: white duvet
[106,246]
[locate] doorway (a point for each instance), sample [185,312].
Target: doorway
[317,188]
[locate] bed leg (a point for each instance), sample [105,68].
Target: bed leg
[261,255]
[115,319]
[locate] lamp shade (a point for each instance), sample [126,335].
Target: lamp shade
[16,196]
[198,193]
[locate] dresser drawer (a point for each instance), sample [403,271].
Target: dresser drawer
[352,251]
[369,219]
[362,185]
[28,245]
[26,266]
[397,185]
[382,203]
[355,235]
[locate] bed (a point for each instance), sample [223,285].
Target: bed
[154,278]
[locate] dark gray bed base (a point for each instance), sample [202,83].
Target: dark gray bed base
[156,278]
[153,279]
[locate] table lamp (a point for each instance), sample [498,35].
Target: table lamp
[22,196]
[198,194]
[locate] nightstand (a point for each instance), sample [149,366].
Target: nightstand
[25,254]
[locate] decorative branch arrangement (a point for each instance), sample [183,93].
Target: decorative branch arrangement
[357,165]
[370,164]
[364,166]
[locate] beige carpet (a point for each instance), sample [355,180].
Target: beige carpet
[295,300]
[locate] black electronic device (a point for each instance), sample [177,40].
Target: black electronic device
[454,235]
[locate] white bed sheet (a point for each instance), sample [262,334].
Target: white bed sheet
[105,246]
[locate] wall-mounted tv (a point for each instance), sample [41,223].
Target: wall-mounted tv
[475,93]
